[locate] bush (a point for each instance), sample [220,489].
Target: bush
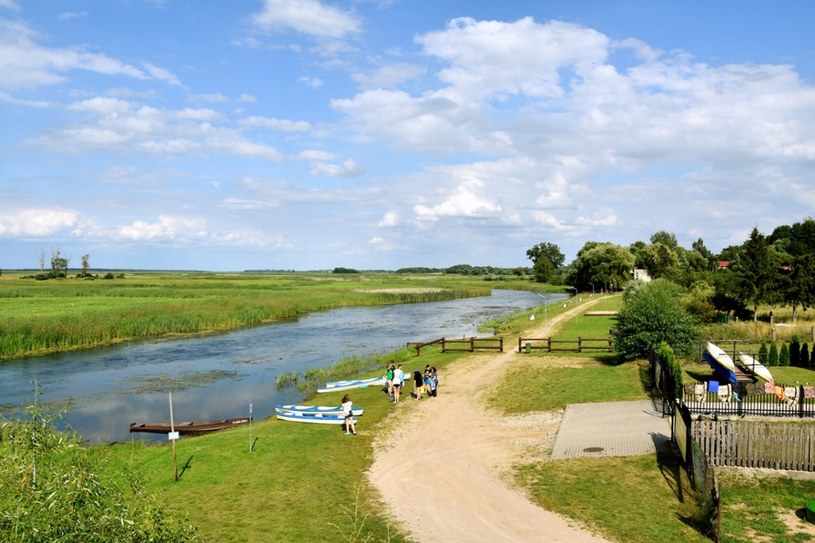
[763,354]
[772,358]
[652,313]
[49,491]
[804,355]
[795,351]
[784,355]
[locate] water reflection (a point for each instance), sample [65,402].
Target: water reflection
[107,389]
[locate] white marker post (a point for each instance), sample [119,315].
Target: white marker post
[250,426]
[173,436]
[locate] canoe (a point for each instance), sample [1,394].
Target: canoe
[187,428]
[720,362]
[313,418]
[327,409]
[337,386]
[755,367]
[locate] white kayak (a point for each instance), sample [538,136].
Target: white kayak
[313,418]
[755,367]
[325,409]
[337,386]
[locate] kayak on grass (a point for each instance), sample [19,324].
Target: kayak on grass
[325,409]
[337,386]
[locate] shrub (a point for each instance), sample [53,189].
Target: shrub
[772,358]
[804,354]
[795,351]
[784,355]
[762,354]
[653,313]
[49,491]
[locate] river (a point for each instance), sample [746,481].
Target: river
[216,376]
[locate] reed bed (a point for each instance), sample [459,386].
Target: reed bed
[61,315]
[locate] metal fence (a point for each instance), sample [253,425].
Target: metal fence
[749,399]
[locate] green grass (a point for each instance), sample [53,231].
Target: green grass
[764,509]
[536,385]
[640,499]
[301,482]
[59,315]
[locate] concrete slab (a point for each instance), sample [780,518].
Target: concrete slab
[612,429]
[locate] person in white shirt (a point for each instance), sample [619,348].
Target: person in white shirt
[347,410]
[398,381]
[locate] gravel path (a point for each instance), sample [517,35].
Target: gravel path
[441,470]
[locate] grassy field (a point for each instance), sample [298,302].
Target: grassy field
[307,483]
[58,315]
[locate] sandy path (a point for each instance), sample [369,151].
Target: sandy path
[440,471]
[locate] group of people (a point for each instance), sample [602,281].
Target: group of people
[424,383]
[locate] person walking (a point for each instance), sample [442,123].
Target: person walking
[389,380]
[398,381]
[418,384]
[347,410]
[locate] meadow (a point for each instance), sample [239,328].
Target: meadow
[308,483]
[41,317]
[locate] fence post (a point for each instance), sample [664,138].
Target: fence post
[501,343]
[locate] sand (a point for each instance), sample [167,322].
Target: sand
[442,471]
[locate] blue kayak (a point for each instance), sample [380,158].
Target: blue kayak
[325,409]
[337,386]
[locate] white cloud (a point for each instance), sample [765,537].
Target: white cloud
[68,15]
[312,154]
[26,64]
[167,228]
[284,125]
[310,17]
[37,222]
[389,76]
[313,82]
[23,102]
[212,98]
[10,5]
[348,168]
[493,58]
[389,220]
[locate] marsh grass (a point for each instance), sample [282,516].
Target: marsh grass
[59,315]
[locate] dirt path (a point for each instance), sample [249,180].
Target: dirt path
[440,471]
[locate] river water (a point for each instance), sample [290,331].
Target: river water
[216,376]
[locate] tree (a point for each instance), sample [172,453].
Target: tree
[601,265]
[85,266]
[665,238]
[784,355]
[547,259]
[653,313]
[796,283]
[59,264]
[772,357]
[754,271]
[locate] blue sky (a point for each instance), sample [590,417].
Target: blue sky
[309,134]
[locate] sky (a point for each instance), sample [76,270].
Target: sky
[383,134]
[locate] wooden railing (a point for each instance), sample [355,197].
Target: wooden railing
[579,345]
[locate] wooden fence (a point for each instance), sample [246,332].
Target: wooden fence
[757,444]
[578,345]
[470,344]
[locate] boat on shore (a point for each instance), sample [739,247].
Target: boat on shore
[325,409]
[337,386]
[755,367]
[721,362]
[313,418]
[188,428]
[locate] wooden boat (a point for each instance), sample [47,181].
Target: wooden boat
[187,428]
[755,367]
[337,386]
[313,418]
[720,362]
[329,410]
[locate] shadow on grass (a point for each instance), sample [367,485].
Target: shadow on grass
[187,465]
[670,466]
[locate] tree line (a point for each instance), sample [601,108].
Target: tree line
[777,269]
